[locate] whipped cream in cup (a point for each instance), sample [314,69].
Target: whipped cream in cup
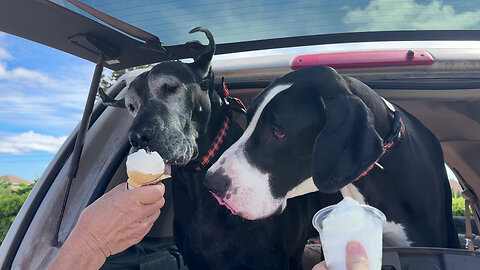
[346,221]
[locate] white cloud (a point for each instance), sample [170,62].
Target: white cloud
[30,141]
[408,14]
[38,101]
[4,54]
[42,99]
[25,76]
[41,112]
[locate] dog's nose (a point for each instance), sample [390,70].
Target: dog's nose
[140,138]
[218,182]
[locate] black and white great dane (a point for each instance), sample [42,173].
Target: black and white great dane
[314,129]
[177,116]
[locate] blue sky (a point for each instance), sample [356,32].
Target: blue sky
[43,91]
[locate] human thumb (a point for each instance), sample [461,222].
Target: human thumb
[357,258]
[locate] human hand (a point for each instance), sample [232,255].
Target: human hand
[357,258]
[115,221]
[120,218]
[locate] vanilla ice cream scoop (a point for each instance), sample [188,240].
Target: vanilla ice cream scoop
[348,213]
[145,168]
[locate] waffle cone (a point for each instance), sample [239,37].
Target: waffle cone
[136,178]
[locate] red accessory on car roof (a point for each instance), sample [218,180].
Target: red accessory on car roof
[364,59]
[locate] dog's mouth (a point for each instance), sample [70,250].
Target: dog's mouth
[222,202]
[178,160]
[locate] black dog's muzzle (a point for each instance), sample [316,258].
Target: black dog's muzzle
[157,129]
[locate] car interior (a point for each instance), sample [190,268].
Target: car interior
[106,147]
[158,247]
[444,96]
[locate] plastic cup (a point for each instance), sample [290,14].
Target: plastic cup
[365,227]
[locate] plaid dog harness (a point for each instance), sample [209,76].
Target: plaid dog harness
[217,142]
[230,104]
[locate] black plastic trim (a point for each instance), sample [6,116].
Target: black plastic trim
[409,35]
[109,173]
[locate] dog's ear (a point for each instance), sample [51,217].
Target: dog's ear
[201,65]
[109,101]
[347,145]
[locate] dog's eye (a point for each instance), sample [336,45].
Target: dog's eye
[278,133]
[170,88]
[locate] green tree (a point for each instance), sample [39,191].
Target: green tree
[5,187]
[11,200]
[24,188]
[458,206]
[107,81]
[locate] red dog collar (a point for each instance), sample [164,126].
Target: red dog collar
[217,142]
[232,104]
[398,129]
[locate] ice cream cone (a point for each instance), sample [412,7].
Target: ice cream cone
[145,169]
[136,178]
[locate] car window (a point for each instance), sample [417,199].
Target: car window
[247,20]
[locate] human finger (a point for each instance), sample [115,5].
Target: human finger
[357,258]
[150,209]
[149,194]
